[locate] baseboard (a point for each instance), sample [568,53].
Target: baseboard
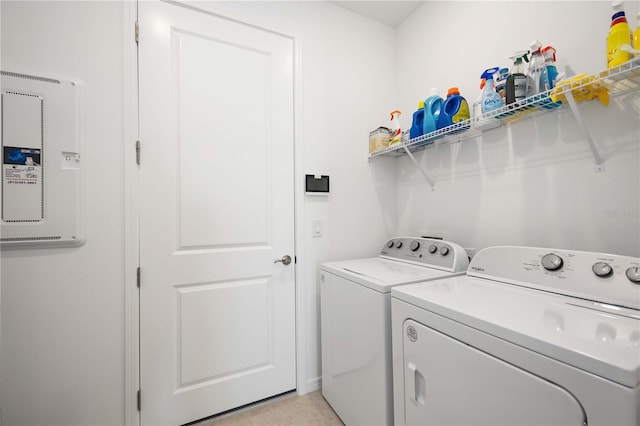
[311,385]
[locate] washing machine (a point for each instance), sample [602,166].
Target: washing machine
[356,322]
[529,336]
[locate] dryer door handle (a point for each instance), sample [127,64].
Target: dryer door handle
[411,381]
[415,384]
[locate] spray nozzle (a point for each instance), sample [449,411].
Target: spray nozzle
[519,56]
[535,46]
[488,74]
[549,52]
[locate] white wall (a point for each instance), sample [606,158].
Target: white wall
[348,86]
[62,360]
[533,182]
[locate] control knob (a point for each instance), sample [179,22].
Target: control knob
[415,245]
[602,269]
[433,248]
[633,273]
[444,250]
[551,262]
[398,244]
[390,243]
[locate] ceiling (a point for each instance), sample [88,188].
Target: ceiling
[392,13]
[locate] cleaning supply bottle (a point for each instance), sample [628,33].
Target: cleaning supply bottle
[501,82]
[549,54]
[516,89]
[476,109]
[636,34]
[396,136]
[418,122]
[619,35]
[455,109]
[432,111]
[491,100]
[536,69]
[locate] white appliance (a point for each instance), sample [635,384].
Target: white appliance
[356,322]
[529,336]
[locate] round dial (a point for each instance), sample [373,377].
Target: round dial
[390,243]
[398,244]
[415,245]
[602,269]
[551,262]
[633,274]
[444,250]
[433,248]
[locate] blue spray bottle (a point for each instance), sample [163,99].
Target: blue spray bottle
[491,100]
[549,54]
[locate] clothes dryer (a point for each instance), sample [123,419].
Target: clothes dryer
[528,336]
[356,322]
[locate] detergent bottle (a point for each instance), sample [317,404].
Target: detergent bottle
[516,89]
[537,70]
[619,35]
[396,136]
[636,34]
[432,111]
[549,54]
[418,122]
[455,109]
[491,100]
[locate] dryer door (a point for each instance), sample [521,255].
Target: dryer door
[450,383]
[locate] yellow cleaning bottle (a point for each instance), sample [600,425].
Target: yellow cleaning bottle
[619,35]
[636,34]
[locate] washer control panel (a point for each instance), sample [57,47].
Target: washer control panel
[427,252]
[598,277]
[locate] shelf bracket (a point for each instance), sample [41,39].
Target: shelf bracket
[578,116]
[415,162]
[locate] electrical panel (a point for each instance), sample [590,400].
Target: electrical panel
[41,188]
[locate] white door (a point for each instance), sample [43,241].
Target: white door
[217,315]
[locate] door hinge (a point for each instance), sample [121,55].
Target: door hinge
[138,153]
[137,32]
[139,401]
[138,277]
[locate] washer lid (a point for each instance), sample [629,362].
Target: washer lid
[381,274]
[598,338]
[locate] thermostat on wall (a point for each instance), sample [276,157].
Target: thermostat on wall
[317,185]
[41,163]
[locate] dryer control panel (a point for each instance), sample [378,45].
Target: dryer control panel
[599,277]
[429,252]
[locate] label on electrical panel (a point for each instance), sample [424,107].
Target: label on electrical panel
[21,184]
[22,166]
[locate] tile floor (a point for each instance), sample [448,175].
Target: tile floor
[306,410]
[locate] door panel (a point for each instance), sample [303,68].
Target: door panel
[237,164]
[447,382]
[217,315]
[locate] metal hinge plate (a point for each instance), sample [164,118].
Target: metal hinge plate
[138,153]
[139,400]
[137,32]
[138,277]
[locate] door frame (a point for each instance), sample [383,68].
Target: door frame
[132,200]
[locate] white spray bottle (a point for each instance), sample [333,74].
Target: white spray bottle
[396,136]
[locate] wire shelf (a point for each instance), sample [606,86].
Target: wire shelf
[601,86]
